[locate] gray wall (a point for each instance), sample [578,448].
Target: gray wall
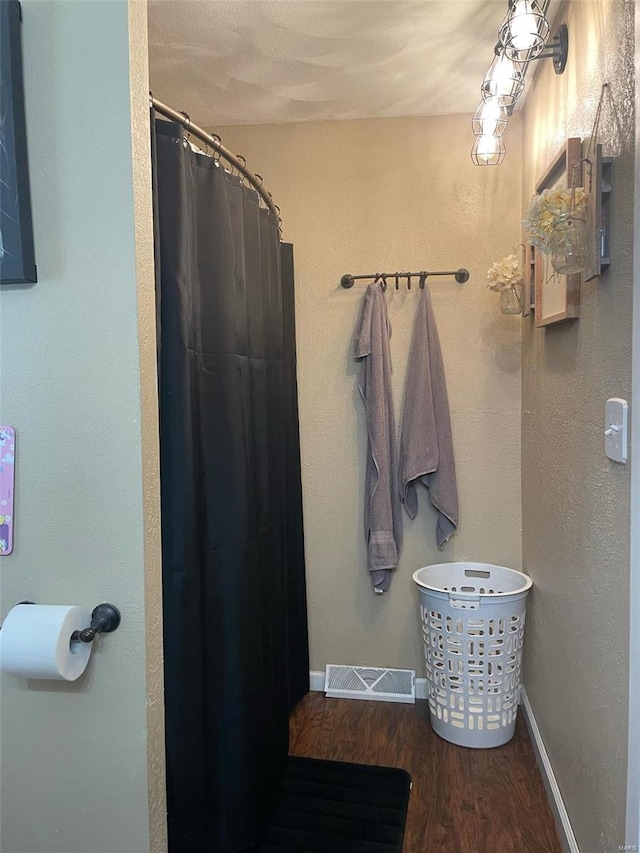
[575,501]
[82,764]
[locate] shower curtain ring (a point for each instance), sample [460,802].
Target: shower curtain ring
[187,125]
[241,174]
[216,148]
[408,281]
[423,279]
[261,178]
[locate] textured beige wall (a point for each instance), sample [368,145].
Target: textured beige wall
[82,764]
[361,196]
[149,427]
[575,501]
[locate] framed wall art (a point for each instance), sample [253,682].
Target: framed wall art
[17,261]
[557,297]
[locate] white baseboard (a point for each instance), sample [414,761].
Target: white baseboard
[316,683]
[316,680]
[563,824]
[421,688]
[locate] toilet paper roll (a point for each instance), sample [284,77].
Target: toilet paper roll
[35,642]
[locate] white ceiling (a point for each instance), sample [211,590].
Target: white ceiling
[260,62]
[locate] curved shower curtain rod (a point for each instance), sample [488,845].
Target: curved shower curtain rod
[236,160]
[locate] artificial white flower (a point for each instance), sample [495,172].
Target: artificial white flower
[504,274]
[544,210]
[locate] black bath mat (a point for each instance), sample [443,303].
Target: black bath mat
[334,807]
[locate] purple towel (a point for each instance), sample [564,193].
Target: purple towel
[382,511]
[426,447]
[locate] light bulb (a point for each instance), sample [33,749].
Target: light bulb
[490,119]
[490,114]
[487,148]
[524,26]
[502,80]
[503,77]
[525,30]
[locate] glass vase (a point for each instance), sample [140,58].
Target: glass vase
[568,244]
[511,299]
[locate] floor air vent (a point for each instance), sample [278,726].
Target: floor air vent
[367,682]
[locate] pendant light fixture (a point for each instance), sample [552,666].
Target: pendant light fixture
[523,37]
[525,30]
[504,80]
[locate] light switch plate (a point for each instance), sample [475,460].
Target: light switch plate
[615,429]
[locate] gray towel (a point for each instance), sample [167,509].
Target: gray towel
[426,448]
[382,511]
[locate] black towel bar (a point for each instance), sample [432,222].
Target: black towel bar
[460,276]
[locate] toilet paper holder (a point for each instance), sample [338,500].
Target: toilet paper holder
[104,619]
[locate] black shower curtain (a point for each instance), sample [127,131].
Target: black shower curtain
[235,626]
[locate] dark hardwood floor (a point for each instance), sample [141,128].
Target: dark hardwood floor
[462,800]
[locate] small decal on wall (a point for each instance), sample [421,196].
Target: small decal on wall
[7,479]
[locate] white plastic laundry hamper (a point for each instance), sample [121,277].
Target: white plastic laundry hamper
[472,618]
